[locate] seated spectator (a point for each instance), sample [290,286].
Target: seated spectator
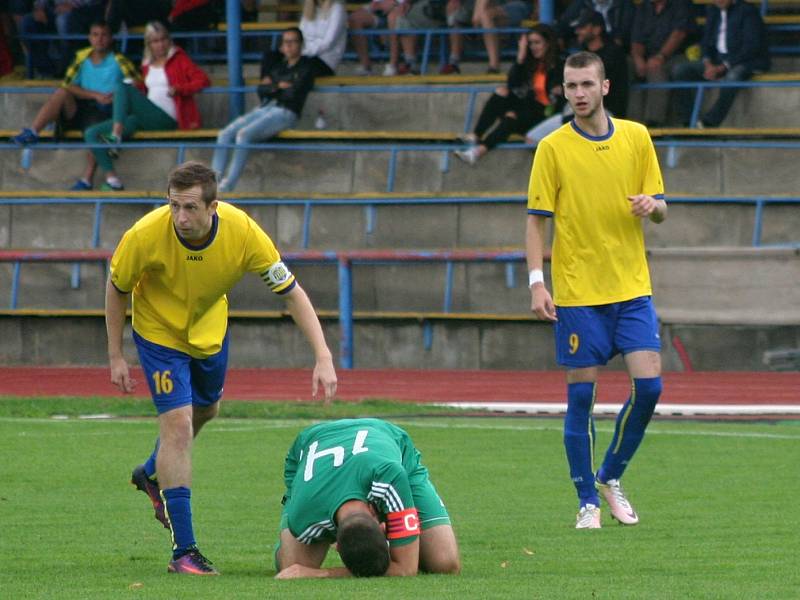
[324,27]
[373,15]
[135,13]
[86,94]
[411,14]
[590,32]
[617,15]
[65,17]
[533,92]
[179,15]
[658,40]
[165,101]
[286,80]
[483,14]
[733,48]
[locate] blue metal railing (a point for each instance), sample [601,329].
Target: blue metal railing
[369,204]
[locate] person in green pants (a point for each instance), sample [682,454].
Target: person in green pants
[164,102]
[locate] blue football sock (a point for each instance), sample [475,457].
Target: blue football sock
[150,463]
[631,423]
[178,502]
[579,435]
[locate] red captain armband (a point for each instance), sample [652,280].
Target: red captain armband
[402,524]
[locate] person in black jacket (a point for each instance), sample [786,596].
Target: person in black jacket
[533,93]
[591,34]
[286,80]
[617,20]
[734,56]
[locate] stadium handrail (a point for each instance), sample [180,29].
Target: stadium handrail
[273,30]
[473,85]
[445,143]
[369,201]
[343,260]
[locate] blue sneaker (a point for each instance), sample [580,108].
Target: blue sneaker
[25,137]
[81,186]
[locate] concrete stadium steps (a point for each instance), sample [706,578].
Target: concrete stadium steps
[398,343]
[410,226]
[691,286]
[704,170]
[441,111]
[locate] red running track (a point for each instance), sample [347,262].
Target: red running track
[724,388]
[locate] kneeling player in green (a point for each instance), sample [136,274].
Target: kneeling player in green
[360,483]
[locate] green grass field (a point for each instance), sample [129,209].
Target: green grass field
[717,503]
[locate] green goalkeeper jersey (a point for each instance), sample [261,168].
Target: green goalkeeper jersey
[354,459]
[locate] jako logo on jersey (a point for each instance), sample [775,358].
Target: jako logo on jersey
[601,148]
[194,258]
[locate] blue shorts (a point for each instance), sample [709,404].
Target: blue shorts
[177,379]
[588,336]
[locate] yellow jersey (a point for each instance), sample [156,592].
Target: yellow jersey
[583,182]
[179,291]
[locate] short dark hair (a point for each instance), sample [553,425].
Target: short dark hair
[583,59]
[362,545]
[297,31]
[100,23]
[190,174]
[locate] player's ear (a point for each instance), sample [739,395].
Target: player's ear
[212,206]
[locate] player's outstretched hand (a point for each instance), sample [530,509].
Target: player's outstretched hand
[298,571]
[542,303]
[324,376]
[121,375]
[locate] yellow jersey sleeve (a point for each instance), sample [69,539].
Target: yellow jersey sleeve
[543,185]
[653,182]
[263,258]
[127,263]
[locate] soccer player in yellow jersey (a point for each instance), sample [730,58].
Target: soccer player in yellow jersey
[598,178]
[178,262]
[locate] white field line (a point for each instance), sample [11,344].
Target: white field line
[246,426]
[612,409]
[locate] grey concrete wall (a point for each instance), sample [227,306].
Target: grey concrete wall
[754,107]
[456,345]
[411,226]
[709,171]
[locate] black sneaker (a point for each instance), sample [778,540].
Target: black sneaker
[192,563]
[150,487]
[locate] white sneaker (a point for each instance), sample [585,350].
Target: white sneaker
[363,71]
[389,70]
[618,504]
[588,517]
[469,156]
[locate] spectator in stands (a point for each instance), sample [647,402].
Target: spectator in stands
[86,94]
[135,13]
[533,92]
[484,14]
[411,14]
[733,48]
[617,16]
[179,15]
[659,37]
[64,17]
[373,15]
[324,27]
[286,80]
[590,30]
[164,101]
